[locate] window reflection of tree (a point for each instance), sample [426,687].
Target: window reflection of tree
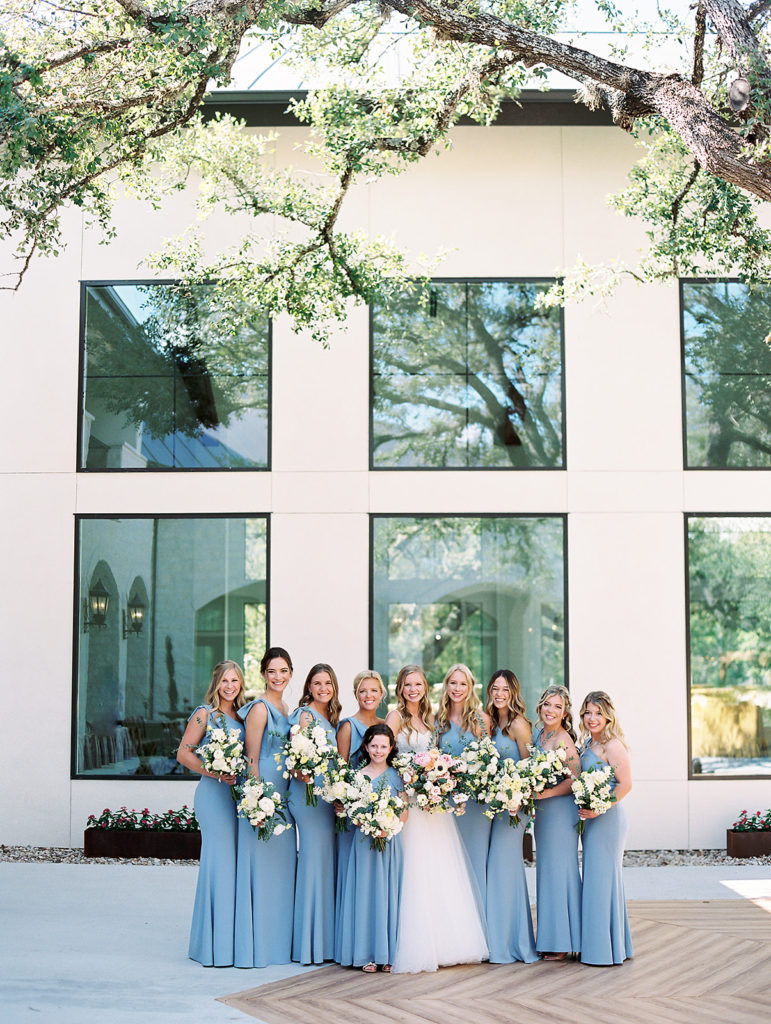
[729,563]
[159,357]
[477,590]
[472,377]
[727,332]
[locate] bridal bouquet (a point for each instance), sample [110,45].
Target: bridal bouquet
[506,792]
[593,791]
[263,807]
[222,752]
[542,770]
[476,771]
[338,787]
[307,751]
[375,812]
[428,780]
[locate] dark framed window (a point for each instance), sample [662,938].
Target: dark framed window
[486,591]
[166,385]
[159,601]
[728,566]
[468,376]
[726,356]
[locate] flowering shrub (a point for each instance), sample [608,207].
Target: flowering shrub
[183,820]
[760,821]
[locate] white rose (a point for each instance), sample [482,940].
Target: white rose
[267,805]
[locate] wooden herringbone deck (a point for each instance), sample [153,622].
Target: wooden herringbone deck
[695,963]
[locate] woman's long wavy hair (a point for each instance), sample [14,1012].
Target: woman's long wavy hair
[425,711]
[612,730]
[471,720]
[212,697]
[334,705]
[567,711]
[515,707]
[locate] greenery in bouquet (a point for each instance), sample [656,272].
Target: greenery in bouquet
[505,792]
[428,780]
[306,752]
[183,820]
[375,811]
[263,807]
[593,791]
[760,821]
[338,787]
[542,769]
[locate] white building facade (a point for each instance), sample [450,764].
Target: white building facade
[339,508]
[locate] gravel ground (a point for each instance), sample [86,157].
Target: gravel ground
[632,858]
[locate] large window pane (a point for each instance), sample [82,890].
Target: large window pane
[470,378]
[729,570]
[166,386]
[488,592]
[727,366]
[160,602]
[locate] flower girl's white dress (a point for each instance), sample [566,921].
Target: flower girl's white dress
[439,916]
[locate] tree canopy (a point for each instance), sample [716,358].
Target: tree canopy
[94,92]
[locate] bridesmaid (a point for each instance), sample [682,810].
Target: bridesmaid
[211,933]
[369,908]
[558,882]
[460,720]
[313,941]
[509,924]
[605,935]
[266,870]
[368,689]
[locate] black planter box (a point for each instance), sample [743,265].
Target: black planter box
[130,843]
[747,844]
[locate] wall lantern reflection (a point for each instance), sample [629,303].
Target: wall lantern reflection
[136,617]
[95,607]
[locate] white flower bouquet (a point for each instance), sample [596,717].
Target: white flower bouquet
[593,791]
[542,770]
[306,752]
[338,787]
[429,782]
[375,811]
[222,752]
[476,770]
[505,792]
[263,807]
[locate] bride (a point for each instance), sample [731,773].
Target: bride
[439,917]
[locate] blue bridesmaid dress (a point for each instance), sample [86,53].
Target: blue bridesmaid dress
[211,933]
[558,882]
[313,940]
[474,825]
[605,935]
[344,839]
[266,870]
[509,924]
[369,910]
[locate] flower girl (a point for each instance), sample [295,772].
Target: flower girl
[371,891]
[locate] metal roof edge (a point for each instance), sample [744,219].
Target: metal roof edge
[269,108]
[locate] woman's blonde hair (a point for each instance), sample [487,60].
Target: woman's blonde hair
[471,720]
[334,705]
[212,697]
[369,673]
[612,730]
[425,711]
[567,712]
[515,707]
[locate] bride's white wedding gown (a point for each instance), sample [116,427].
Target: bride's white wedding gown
[439,918]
